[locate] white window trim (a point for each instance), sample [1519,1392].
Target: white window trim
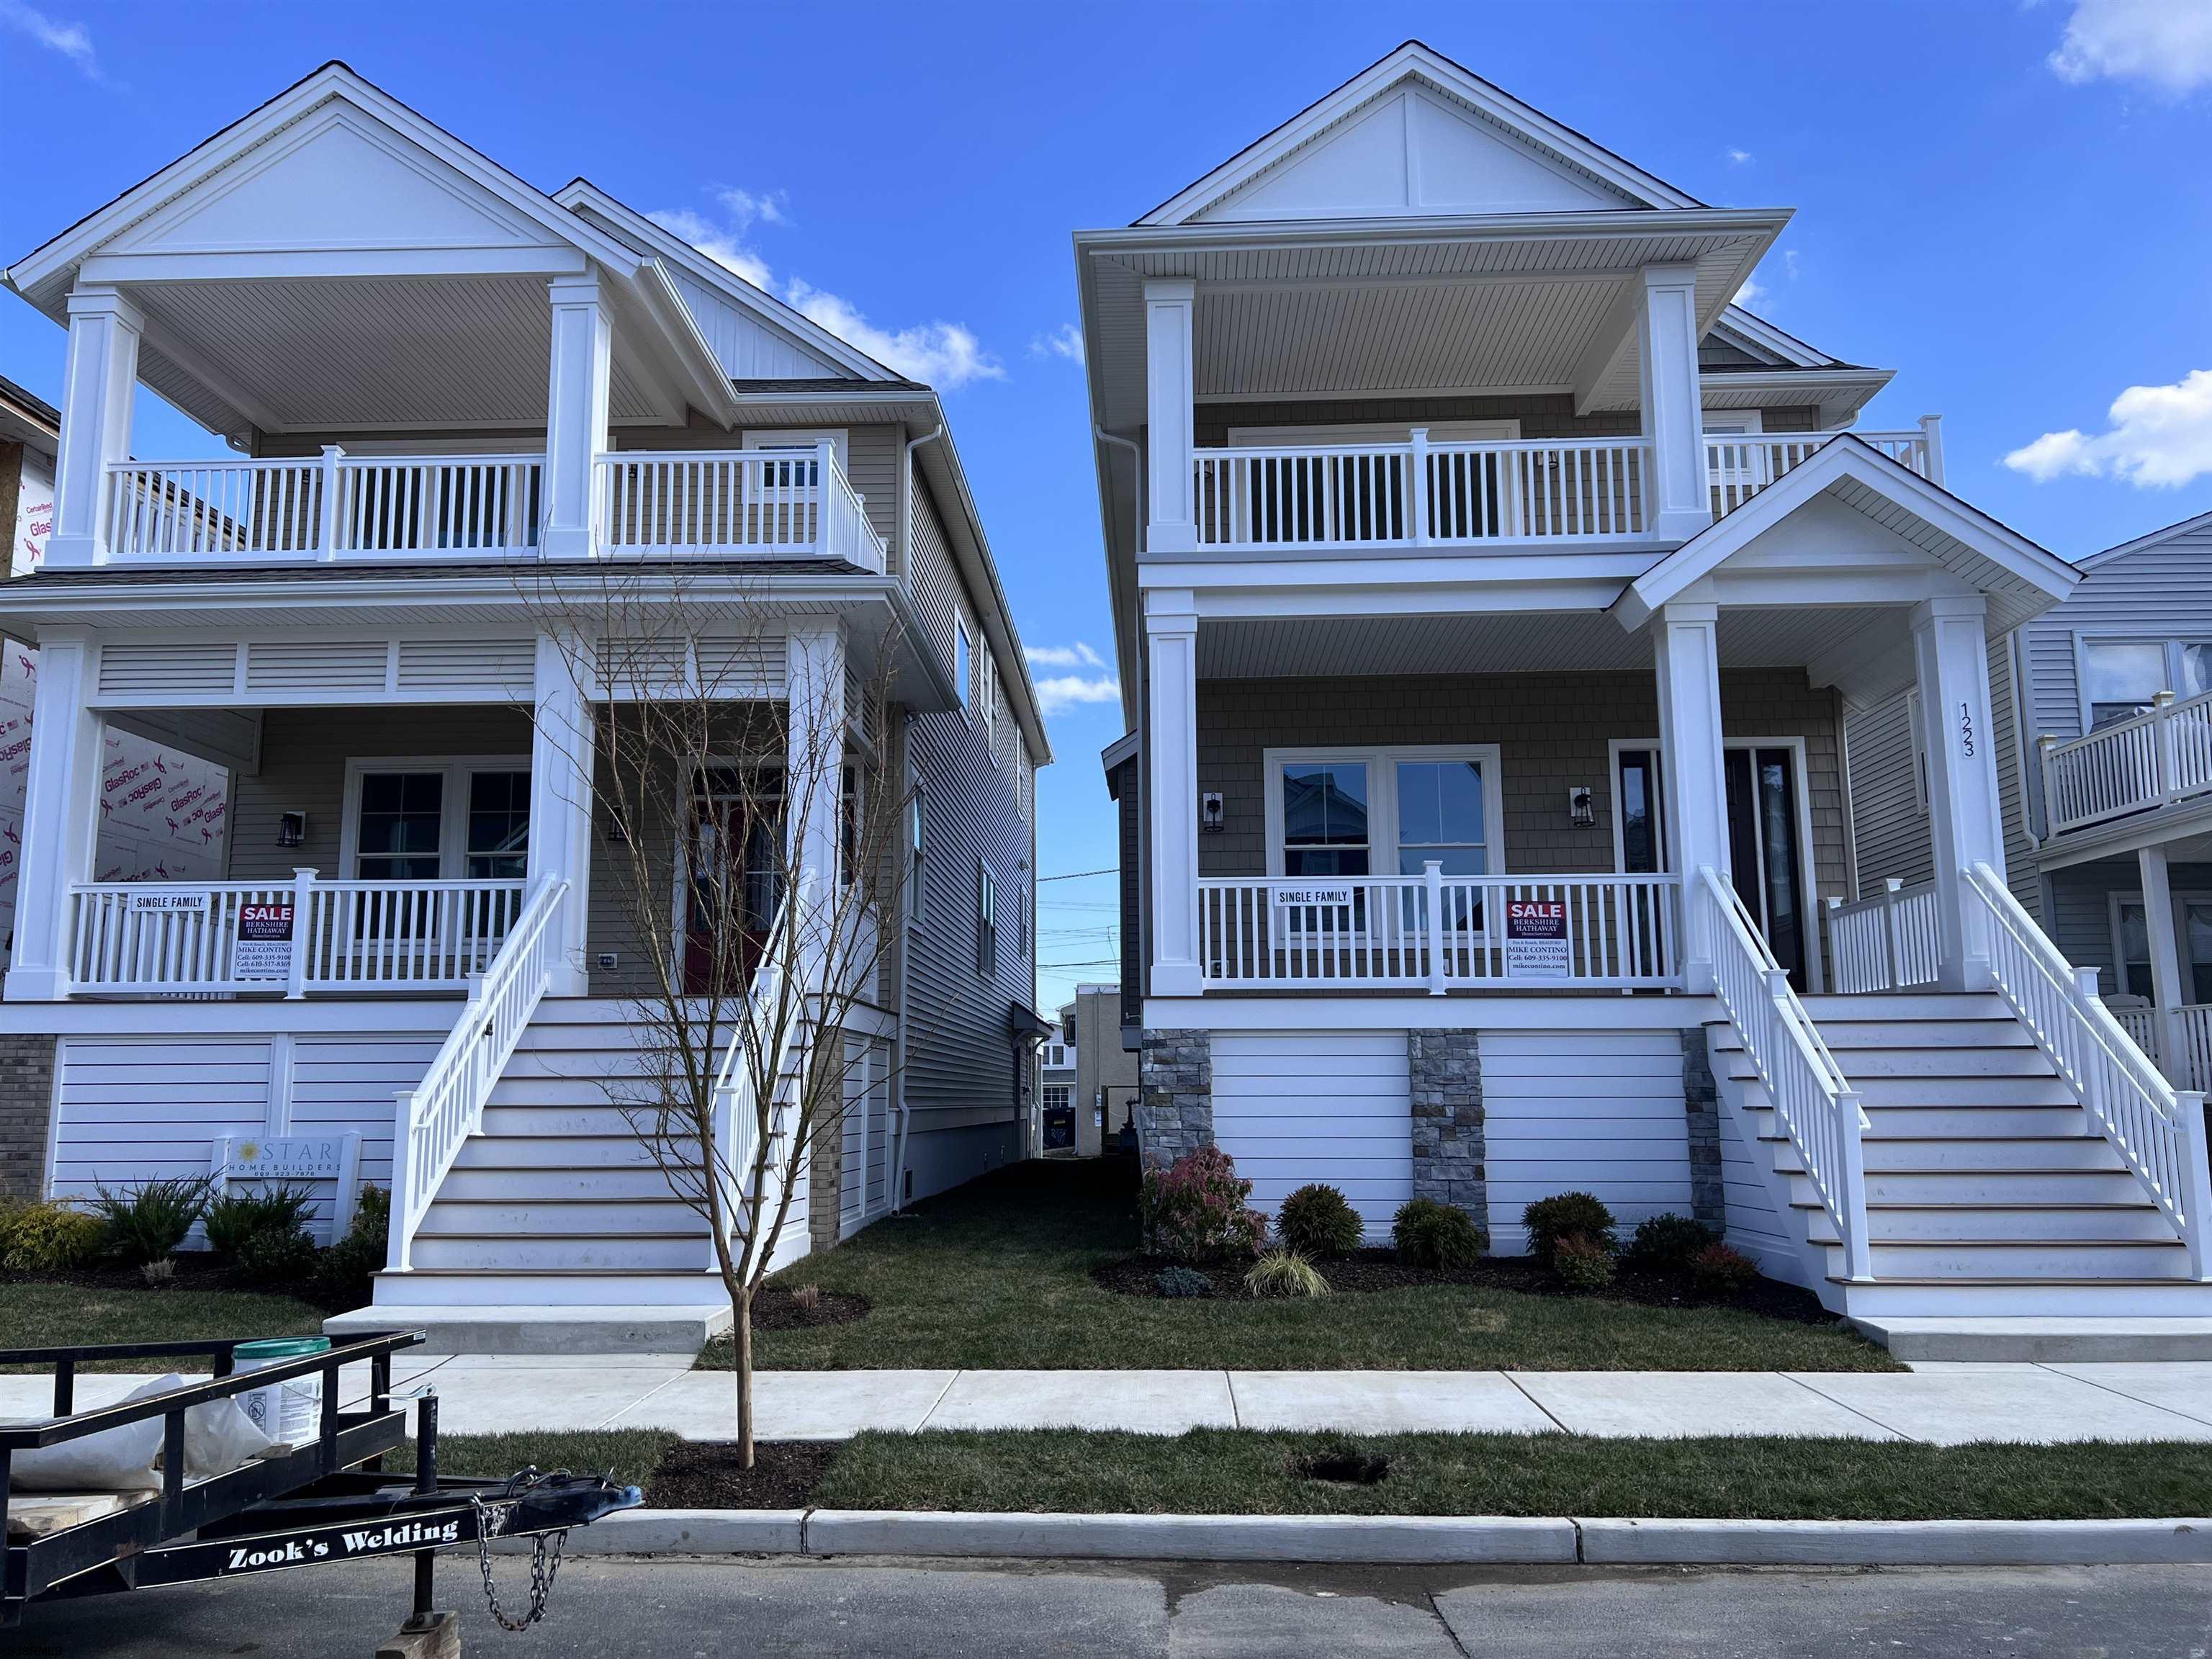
[2171,643]
[987,915]
[1375,432]
[1382,797]
[963,647]
[452,806]
[800,438]
[2182,897]
[918,848]
[1735,422]
[1915,736]
[986,698]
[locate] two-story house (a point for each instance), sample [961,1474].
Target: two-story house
[457,400]
[1491,595]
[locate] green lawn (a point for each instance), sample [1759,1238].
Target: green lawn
[38,1316]
[996,1275]
[1239,1472]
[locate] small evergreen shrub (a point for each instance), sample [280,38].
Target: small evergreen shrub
[1428,1234]
[1176,1282]
[1285,1273]
[1318,1222]
[236,1217]
[344,1271]
[1668,1243]
[1582,1263]
[1722,1271]
[146,1222]
[1551,1219]
[273,1257]
[1196,1209]
[47,1237]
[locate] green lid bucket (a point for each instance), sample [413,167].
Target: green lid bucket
[281,1347]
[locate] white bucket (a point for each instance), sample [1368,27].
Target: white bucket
[289,1412]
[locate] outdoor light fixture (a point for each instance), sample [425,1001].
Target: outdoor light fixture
[1582,806]
[292,830]
[1209,813]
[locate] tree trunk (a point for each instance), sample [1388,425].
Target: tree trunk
[741,1311]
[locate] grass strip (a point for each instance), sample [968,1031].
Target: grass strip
[34,1315]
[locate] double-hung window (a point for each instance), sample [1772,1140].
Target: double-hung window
[987,922]
[986,698]
[964,654]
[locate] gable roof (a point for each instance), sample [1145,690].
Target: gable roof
[1426,86]
[2170,532]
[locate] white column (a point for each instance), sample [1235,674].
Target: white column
[98,384]
[1677,497]
[1950,648]
[2159,922]
[1686,654]
[61,816]
[563,742]
[575,414]
[814,764]
[1170,414]
[1171,788]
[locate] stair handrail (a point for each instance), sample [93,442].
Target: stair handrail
[2158,1130]
[736,1120]
[1813,1101]
[431,1121]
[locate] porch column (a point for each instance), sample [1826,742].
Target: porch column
[1677,497]
[1685,653]
[61,816]
[1170,414]
[1950,649]
[575,416]
[99,382]
[814,755]
[2165,961]
[1172,791]
[562,744]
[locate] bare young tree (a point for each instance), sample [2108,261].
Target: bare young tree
[746,837]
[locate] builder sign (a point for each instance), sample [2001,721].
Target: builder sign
[1536,939]
[263,949]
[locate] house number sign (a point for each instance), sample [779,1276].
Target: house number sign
[1967,730]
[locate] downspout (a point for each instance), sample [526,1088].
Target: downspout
[906,740]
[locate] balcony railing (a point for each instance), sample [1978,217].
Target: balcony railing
[1886,943]
[2186,1057]
[1739,466]
[1440,933]
[288,937]
[750,503]
[2130,765]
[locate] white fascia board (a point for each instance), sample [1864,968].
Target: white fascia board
[1848,390]
[2090,561]
[1763,334]
[1589,598]
[706,387]
[1517,1011]
[1764,223]
[1415,60]
[1120,752]
[37,272]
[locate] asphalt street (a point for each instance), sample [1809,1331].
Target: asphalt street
[609,1609]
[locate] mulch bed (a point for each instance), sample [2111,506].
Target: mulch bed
[197,1270]
[1381,1270]
[704,1474]
[776,1309]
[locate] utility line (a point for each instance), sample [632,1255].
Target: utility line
[1081,875]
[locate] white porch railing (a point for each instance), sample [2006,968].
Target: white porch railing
[1887,943]
[431,1120]
[184,939]
[758,1046]
[1439,933]
[1740,466]
[337,505]
[1813,1101]
[2129,766]
[783,503]
[2159,1133]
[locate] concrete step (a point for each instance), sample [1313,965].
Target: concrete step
[2050,1296]
[548,1287]
[1968,1226]
[503,1252]
[676,1332]
[2050,1339]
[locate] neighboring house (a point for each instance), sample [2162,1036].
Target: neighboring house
[452,394]
[1490,595]
[1090,1080]
[2108,790]
[1058,1088]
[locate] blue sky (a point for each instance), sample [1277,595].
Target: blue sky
[2008,203]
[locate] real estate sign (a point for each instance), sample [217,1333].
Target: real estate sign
[1536,939]
[263,949]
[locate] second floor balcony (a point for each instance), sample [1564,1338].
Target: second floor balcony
[2124,768]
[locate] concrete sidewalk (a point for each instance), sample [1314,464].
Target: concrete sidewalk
[1937,1404]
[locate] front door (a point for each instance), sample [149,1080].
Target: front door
[733,864]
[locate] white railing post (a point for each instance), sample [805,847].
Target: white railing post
[1432,877]
[400,1241]
[1892,946]
[1417,488]
[1931,448]
[2196,1178]
[2163,772]
[332,516]
[2044,745]
[1850,1145]
[303,898]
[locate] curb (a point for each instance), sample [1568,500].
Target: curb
[1502,1540]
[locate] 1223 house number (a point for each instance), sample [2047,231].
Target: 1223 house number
[1967,730]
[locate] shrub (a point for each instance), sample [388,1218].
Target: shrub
[1551,1219]
[1318,1222]
[1721,1271]
[146,1222]
[1176,1282]
[1668,1243]
[273,1257]
[236,1217]
[159,1275]
[1196,1211]
[1285,1274]
[343,1273]
[1429,1234]
[1582,1263]
[43,1238]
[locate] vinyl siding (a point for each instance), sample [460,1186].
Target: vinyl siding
[1128,806]
[2082,915]
[1888,828]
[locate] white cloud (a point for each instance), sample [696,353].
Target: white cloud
[72,40]
[717,243]
[1752,293]
[2160,437]
[1065,691]
[1738,156]
[743,206]
[1065,341]
[2167,43]
[946,355]
[1078,655]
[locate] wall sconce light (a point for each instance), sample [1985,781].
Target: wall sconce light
[1210,821]
[1582,806]
[292,830]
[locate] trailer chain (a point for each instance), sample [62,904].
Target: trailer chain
[544,1560]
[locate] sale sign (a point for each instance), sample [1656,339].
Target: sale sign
[263,949]
[1536,939]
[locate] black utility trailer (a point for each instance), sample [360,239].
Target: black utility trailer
[328,1500]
